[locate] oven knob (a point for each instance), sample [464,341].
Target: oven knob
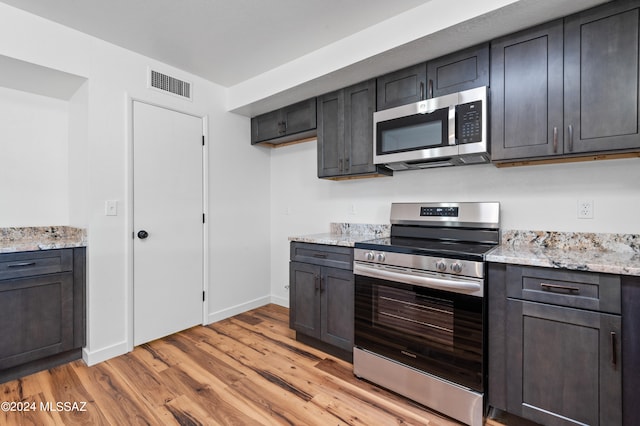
[441,266]
[380,257]
[369,255]
[456,267]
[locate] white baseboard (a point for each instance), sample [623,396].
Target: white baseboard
[238,309]
[96,357]
[282,301]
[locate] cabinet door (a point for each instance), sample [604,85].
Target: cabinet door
[459,71]
[337,290]
[527,94]
[359,103]
[601,79]
[631,349]
[299,117]
[266,126]
[563,365]
[304,298]
[401,87]
[36,318]
[331,134]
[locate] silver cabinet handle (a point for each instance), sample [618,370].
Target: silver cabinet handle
[552,287]
[21,265]
[614,349]
[422,91]
[570,138]
[555,140]
[430,88]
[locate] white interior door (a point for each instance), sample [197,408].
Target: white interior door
[167,222]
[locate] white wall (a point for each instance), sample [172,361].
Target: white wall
[533,198]
[97,144]
[33,158]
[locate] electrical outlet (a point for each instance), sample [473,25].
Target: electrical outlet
[585,209]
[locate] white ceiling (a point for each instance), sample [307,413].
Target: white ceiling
[224,41]
[271,53]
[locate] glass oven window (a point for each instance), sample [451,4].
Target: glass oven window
[417,131]
[438,332]
[425,317]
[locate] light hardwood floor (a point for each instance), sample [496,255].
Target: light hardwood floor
[245,370]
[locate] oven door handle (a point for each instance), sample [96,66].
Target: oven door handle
[474,288]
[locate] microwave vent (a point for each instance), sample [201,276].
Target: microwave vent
[474,159]
[166,83]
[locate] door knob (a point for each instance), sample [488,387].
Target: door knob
[143,234]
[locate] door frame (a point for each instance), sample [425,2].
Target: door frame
[129,237]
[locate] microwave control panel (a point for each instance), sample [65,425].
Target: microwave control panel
[469,125]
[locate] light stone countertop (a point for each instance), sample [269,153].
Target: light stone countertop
[345,234]
[591,252]
[17,239]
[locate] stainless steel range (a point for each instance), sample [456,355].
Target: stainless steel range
[420,311]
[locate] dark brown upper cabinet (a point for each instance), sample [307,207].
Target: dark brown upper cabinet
[568,88]
[452,73]
[526,93]
[292,123]
[345,133]
[462,70]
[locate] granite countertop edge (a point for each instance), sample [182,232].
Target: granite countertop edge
[591,252]
[36,238]
[333,239]
[345,234]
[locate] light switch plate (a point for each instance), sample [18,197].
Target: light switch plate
[111,208]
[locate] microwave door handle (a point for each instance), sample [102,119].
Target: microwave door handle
[452,125]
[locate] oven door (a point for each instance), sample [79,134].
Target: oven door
[434,331]
[419,131]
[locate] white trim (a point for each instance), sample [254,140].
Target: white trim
[238,309]
[205,210]
[282,301]
[129,100]
[96,357]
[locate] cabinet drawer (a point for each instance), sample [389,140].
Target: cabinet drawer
[323,255]
[582,290]
[28,264]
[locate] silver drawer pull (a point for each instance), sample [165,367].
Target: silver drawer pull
[21,265]
[555,287]
[320,256]
[614,350]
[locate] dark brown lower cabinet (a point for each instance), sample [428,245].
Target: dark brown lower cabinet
[321,297]
[557,345]
[42,310]
[564,363]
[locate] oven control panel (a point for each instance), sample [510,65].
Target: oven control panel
[439,211]
[435,264]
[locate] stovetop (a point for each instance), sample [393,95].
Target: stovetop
[428,247]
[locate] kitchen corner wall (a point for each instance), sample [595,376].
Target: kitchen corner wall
[542,197]
[95,168]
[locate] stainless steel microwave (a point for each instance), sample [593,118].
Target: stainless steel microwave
[449,130]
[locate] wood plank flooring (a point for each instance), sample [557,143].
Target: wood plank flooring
[245,370]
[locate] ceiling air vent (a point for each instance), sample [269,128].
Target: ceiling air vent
[169,84]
